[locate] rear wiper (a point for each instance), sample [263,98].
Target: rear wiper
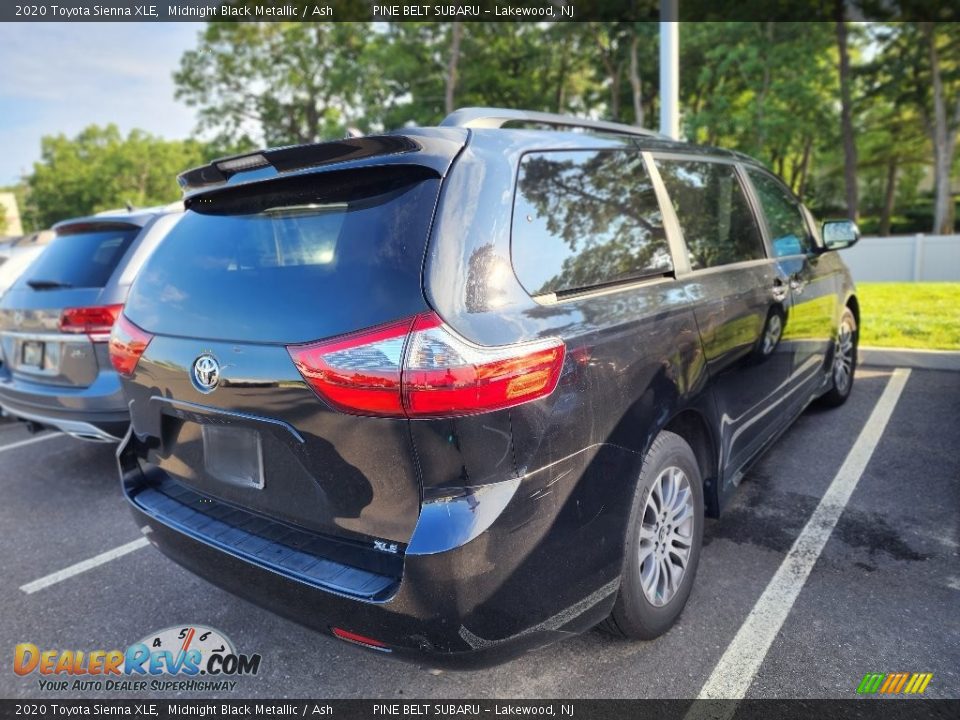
[47,284]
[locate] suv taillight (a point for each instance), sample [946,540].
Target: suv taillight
[127,344]
[97,322]
[419,367]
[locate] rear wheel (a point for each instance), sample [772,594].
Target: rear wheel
[844,361]
[662,547]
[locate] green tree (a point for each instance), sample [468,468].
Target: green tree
[893,142]
[846,114]
[101,169]
[626,62]
[429,68]
[767,89]
[279,83]
[918,67]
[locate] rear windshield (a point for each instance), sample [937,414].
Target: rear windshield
[81,257]
[292,260]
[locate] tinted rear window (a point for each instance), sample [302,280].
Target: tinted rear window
[293,260]
[82,257]
[586,218]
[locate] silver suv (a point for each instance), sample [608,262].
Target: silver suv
[56,319]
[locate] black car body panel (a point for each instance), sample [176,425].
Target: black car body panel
[462,540]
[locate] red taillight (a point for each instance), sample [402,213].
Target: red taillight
[357,373]
[127,344]
[445,375]
[97,322]
[359,639]
[420,368]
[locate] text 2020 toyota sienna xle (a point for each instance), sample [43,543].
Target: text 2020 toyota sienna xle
[454,393]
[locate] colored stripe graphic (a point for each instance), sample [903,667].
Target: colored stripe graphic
[870,683]
[890,681]
[894,683]
[899,682]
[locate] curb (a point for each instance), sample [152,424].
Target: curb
[909,357]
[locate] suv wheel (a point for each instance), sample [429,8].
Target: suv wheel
[663,540]
[844,361]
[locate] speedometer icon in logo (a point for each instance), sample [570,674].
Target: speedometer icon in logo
[194,643]
[206,373]
[188,651]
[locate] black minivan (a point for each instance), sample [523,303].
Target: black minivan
[455,393]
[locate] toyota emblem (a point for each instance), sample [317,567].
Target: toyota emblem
[206,373]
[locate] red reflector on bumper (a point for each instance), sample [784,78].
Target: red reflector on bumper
[359,639]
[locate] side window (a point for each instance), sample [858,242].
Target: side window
[586,218]
[789,232]
[718,226]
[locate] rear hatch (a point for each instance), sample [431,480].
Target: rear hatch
[246,273]
[54,323]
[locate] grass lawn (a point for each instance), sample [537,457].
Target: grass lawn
[910,315]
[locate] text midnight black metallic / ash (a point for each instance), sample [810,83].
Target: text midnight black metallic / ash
[454,393]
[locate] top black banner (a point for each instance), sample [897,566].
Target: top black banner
[476,11]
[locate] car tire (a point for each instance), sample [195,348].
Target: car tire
[844,361]
[769,339]
[664,535]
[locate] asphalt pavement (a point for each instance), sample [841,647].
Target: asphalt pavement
[882,596]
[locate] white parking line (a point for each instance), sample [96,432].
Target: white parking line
[29,441]
[734,673]
[83,566]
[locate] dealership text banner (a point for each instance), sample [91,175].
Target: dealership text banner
[479,11]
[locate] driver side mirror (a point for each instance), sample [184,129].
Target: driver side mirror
[840,234]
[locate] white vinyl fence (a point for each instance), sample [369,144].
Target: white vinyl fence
[905,258]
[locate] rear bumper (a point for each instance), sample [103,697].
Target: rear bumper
[95,413]
[101,430]
[469,606]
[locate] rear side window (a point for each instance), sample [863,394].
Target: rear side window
[82,256]
[291,260]
[586,218]
[718,225]
[789,234]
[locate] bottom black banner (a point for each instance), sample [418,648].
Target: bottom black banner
[904,708]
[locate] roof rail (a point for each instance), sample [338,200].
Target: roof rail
[489,117]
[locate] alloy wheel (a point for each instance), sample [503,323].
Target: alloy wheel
[843,356]
[666,536]
[772,335]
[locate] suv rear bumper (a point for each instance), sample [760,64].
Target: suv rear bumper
[94,413]
[108,431]
[96,427]
[440,609]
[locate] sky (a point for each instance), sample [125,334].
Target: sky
[61,77]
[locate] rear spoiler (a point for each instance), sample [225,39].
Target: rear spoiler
[434,148]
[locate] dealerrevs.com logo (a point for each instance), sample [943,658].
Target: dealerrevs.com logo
[179,658]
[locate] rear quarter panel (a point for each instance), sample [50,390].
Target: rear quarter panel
[634,360]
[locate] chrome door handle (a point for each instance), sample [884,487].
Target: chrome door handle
[797,285]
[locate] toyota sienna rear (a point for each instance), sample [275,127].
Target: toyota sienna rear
[455,393]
